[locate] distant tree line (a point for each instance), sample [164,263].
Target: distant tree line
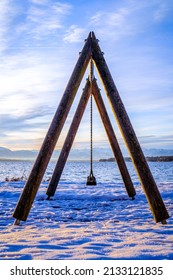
[153,159]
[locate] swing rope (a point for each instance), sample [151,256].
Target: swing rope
[91,119]
[91,180]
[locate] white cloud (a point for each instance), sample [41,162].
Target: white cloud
[31,86]
[75,34]
[6,15]
[44,19]
[117,18]
[96,19]
[27,80]
[114,24]
[163,10]
[39,2]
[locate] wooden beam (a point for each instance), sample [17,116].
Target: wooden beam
[113,141]
[149,186]
[31,187]
[69,140]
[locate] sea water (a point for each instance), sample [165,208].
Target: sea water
[77,171]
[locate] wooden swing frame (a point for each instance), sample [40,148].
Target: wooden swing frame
[90,50]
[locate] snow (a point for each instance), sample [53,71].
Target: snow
[85,222]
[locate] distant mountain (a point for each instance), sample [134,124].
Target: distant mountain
[78,154]
[4,152]
[158,152]
[20,154]
[75,154]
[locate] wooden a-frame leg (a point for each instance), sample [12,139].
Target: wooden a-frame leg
[113,141]
[69,140]
[17,222]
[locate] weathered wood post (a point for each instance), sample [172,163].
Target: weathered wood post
[113,141]
[31,187]
[150,188]
[69,140]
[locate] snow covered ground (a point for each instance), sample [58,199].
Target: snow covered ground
[85,222]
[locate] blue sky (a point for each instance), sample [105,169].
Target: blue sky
[39,45]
